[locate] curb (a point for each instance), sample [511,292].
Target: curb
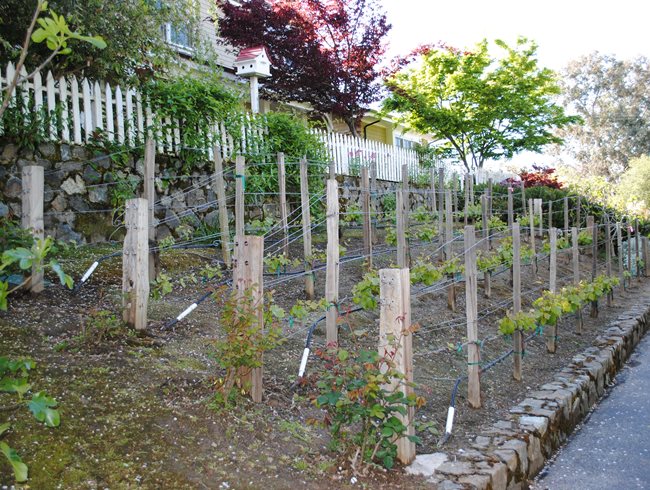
[512,451]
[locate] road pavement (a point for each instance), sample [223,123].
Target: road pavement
[612,449]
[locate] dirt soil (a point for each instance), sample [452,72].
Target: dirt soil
[137,410]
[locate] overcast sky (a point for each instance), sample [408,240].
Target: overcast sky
[563,29]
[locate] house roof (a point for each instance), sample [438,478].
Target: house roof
[252,53]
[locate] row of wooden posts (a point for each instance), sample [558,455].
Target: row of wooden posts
[247,259]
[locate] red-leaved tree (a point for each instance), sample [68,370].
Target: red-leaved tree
[324,52]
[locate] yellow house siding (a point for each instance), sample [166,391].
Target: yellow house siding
[377,133]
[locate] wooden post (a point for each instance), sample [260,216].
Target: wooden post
[550,215]
[511,212]
[629,250]
[402,260]
[150,196]
[537,207]
[619,247]
[637,249]
[223,207]
[135,264]
[32,216]
[441,197]
[489,197]
[566,217]
[466,197]
[394,323]
[365,206]
[591,225]
[306,229]
[405,179]
[551,341]
[240,189]
[578,223]
[471,311]
[449,248]
[517,338]
[332,277]
[332,169]
[284,212]
[532,235]
[485,220]
[523,198]
[471,189]
[454,190]
[432,197]
[608,257]
[373,200]
[644,243]
[576,273]
[248,268]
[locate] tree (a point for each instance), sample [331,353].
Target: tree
[634,184]
[613,98]
[325,52]
[133,30]
[54,30]
[479,107]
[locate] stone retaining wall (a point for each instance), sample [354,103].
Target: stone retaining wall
[80,187]
[512,451]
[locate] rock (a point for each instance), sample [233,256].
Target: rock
[59,203]
[163,232]
[139,166]
[65,233]
[4,210]
[65,152]
[171,220]
[426,464]
[195,198]
[79,153]
[74,185]
[539,424]
[91,176]
[47,150]
[509,457]
[456,468]
[14,188]
[498,473]
[9,152]
[449,485]
[16,208]
[212,218]
[22,163]
[479,482]
[98,194]
[54,179]
[535,457]
[79,204]
[521,449]
[67,167]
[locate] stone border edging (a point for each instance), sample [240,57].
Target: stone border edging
[511,452]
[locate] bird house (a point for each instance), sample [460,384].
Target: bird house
[253,62]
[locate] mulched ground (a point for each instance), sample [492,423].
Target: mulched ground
[137,412]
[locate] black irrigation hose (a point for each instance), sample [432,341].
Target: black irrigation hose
[170,324]
[454,391]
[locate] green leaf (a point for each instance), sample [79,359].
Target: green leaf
[20,468]
[343,355]
[13,385]
[4,428]
[42,407]
[39,35]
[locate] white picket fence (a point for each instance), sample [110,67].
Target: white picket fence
[75,109]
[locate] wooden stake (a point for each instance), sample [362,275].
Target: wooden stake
[402,260]
[466,198]
[576,273]
[365,209]
[550,215]
[637,249]
[517,339]
[454,190]
[484,218]
[523,198]
[619,255]
[629,251]
[394,323]
[608,257]
[489,197]
[405,179]
[240,189]
[432,198]
[594,260]
[135,264]
[220,185]
[247,275]
[532,234]
[32,216]
[373,200]
[306,229]
[578,223]
[449,230]
[646,255]
[441,197]
[332,277]
[566,217]
[511,212]
[150,196]
[551,341]
[471,310]
[284,212]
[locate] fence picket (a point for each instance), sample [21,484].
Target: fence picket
[88,114]
[76,113]
[65,113]
[110,122]
[98,114]
[38,92]
[119,114]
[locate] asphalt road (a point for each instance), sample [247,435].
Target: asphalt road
[612,449]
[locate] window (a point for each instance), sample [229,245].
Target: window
[179,38]
[404,143]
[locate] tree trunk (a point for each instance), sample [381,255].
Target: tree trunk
[352,125]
